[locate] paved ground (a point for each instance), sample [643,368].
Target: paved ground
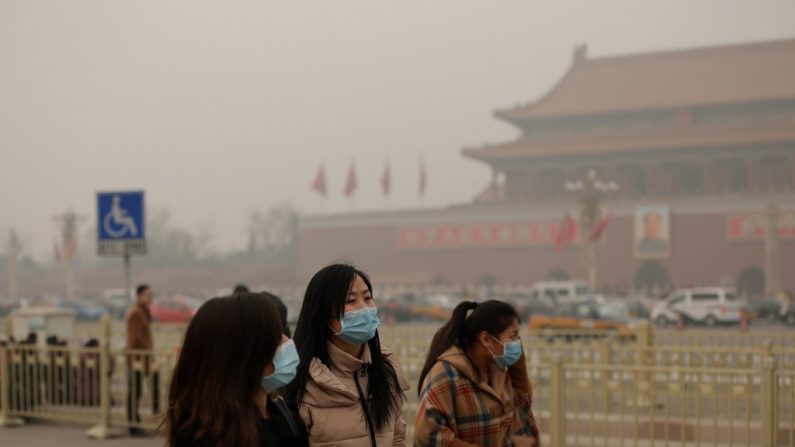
[47,434]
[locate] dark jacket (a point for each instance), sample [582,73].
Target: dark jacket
[283,428]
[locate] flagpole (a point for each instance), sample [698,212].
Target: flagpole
[423,185]
[386,183]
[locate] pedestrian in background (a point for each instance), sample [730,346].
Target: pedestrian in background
[233,357]
[474,388]
[139,338]
[276,302]
[282,312]
[349,389]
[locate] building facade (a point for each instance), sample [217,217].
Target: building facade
[699,141]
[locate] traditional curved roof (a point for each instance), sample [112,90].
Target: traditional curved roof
[663,139]
[672,79]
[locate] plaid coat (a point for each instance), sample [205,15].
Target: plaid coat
[454,404]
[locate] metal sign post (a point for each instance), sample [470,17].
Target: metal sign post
[121,227]
[127,286]
[121,231]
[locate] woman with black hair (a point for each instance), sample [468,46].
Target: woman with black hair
[349,389]
[233,356]
[474,388]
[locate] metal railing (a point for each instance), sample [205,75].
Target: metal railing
[590,389]
[637,405]
[109,388]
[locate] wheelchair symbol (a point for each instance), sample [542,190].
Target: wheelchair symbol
[117,222]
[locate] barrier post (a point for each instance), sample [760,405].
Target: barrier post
[606,354]
[768,402]
[5,386]
[103,430]
[557,403]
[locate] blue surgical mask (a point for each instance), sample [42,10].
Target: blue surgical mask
[359,326]
[511,352]
[285,363]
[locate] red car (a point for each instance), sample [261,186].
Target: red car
[174,309]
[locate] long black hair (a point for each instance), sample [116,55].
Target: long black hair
[227,345]
[325,297]
[491,316]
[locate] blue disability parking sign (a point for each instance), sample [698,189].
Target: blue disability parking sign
[120,222]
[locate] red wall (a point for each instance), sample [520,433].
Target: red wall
[700,254]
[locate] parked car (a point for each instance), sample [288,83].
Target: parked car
[527,306]
[6,306]
[584,315]
[768,309]
[560,291]
[787,314]
[87,310]
[117,301]
[433,307]
[397,308]
[174,309]
[704,305]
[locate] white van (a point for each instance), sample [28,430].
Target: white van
[703,305]
[44,322]
[560,291]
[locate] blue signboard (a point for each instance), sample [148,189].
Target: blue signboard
[121,227]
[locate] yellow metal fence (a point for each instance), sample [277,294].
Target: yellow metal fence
[589,389]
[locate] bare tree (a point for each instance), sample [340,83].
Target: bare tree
[273,234]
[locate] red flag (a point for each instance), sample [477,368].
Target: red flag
[319,185]
[423,178]
[599,229]
[566,233]
[386,181]
[351,184]
[70,250]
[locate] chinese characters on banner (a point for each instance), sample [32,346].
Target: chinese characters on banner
[504,234]
[751,227]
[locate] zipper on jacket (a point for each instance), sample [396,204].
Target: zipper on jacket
[364,407]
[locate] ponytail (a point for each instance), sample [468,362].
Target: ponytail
[463,329]
[448,335]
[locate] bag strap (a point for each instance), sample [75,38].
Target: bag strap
[287,415]
[364,408]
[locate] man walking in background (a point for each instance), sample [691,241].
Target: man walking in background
[139,337]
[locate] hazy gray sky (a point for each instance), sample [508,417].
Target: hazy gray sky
[216,108]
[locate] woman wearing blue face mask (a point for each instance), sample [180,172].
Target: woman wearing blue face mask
[474,388]
[349,389]
[232,358]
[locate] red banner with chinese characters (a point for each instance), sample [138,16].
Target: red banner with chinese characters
[474,235]
[751,227]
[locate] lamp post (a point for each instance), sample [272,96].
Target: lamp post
[772,282]
[14,249]
[591,192]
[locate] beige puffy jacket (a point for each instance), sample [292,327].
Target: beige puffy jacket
[331,408]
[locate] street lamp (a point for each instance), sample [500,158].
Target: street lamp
[68,222]
[12,255]
[591,192]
